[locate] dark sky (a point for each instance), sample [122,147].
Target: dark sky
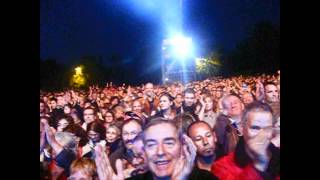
[70,29]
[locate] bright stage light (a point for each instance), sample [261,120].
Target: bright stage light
[182,47]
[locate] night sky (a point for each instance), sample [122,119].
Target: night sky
[70,29]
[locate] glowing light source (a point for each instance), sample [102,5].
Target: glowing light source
[182,47]
[78,79]
[78,70]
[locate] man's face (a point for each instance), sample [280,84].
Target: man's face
[111,135]
[139,160]
[258,128]
[94,136]
[189,99]
[129,132]
[179,98]
[234,106]
[118,114]
[60,101]
[163,149]
[271,93]
[136,106]
[53,104]
[164,103]
[89,116]
[41,107]
[204,139]
[149,89]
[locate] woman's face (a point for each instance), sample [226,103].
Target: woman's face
[62,124]
[165,103]
[112,135]
[108,117]
[115,101]
[67,110]
[208,103]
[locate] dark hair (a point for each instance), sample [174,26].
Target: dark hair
[68,118]
[79,132]
[92,108]
[195,123]
[97,127]
[167,95]
[257,106]
[159,120]
[190,91]
[53,99]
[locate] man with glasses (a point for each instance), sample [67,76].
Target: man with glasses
[130,129]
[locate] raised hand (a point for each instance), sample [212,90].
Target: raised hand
[104,169]
[186,161]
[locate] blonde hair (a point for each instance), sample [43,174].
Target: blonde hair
[85,165]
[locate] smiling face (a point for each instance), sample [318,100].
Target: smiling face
[163,149]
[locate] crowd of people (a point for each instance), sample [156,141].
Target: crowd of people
[219,128]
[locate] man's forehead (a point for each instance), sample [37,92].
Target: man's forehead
[161,131]
[260,118]
[131,125]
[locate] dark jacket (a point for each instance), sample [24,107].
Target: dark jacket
[196,174]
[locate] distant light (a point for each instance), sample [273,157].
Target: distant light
[78,70]
[166,79]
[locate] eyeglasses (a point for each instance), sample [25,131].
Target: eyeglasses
[126,134]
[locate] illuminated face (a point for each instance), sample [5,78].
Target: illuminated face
[208,104]
[62,124]
[112,135]
[189,99]
[129,132]
[89,116]
[108,117]
[136,106]
[79,175]
[165,103]
[271,93]
[233,105]
[162,148]
[204,139]
[258,124]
